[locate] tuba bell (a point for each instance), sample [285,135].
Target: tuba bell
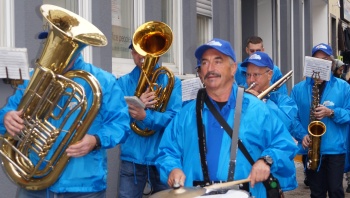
[50,100]
[151,40]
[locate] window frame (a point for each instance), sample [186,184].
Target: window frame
[122,66]
[7,23]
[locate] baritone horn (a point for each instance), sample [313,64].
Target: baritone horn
[151,40]
[56,111]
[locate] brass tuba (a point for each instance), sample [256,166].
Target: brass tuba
[315,128]
[153,39]
[56,112]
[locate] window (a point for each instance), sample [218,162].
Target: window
[7,23]
[122,27]
[128,15]
[167,14]
[204,21]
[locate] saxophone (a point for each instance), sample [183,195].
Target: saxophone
[316,128]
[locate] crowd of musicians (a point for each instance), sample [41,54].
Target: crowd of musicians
[243,125]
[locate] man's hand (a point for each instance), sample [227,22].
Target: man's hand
[82,147]
[176,176]
[259,173]
[321,112]
[306,141]
[138,113]
[148,98]
[13,122]
[251,91]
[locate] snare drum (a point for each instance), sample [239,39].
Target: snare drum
[229,194]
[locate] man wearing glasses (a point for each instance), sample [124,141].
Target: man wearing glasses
[255,44]
[259,71]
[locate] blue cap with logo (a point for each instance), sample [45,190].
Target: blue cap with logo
[322,47]
[260,59]
[218,44]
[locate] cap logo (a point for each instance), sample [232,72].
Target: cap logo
[216,43]
[321,47]
[255,57]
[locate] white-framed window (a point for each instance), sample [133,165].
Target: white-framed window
[126,15]
[172,16]
[134,11]
[204,21]
[7,23]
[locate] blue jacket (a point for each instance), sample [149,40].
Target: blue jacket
[260,130]
[139,149]
[87,173]
[240,78]
[287,110]
[335,96]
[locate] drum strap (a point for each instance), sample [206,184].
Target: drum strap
[202,96]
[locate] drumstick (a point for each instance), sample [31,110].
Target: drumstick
[227,184]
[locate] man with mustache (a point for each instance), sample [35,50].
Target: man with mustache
[197,150]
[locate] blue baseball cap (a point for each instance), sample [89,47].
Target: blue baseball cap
[260,59]
[198,63]
[218,44]
[322,47]
[130,46]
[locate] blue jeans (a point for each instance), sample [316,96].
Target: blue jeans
[133,179]
[329,178]
[22,193]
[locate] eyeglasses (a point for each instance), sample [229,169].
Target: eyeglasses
[253,50]
[255,75]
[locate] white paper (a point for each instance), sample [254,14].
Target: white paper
[190,88]
[134,101]
[321,66]
[16,62]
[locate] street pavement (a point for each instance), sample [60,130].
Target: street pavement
[303,191]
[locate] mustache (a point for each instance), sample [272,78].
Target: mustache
[211,74]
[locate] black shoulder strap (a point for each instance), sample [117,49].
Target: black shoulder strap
[245,152]
[201,95]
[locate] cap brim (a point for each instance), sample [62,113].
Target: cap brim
[324,51]
[254,62]
[200,51]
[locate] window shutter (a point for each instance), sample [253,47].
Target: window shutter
[204,7]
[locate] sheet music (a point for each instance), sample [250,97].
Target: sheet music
[318,65]
[16,62]
[190,88]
